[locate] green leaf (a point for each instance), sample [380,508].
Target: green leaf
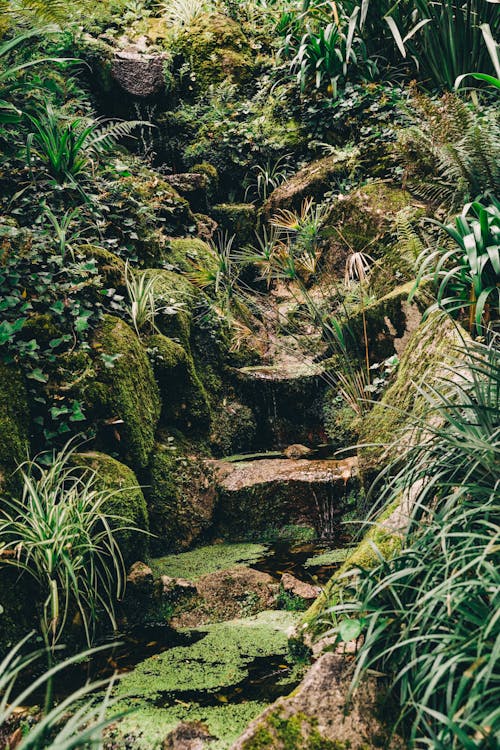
[349,630]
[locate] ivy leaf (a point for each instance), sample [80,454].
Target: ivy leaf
[349,630]
[37,375]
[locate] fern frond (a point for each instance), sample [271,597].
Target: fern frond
[50,11]
[108,134]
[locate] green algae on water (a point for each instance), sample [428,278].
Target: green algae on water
[203,560]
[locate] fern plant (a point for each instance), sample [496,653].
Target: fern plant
[51,11]
[452,152]
[68,146]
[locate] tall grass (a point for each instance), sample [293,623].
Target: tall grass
[431,614]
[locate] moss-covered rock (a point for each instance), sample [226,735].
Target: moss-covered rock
[14,424]
[181,499]
[390,321]
[123,398]
[312,181]
[430,349]
[233,428]
[127,502]
[186,252]
[366,220]
[176,298]
[184,399]
[111,267]
[216,50]
[239,219]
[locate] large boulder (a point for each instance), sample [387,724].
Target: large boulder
[216,50]
[123,397]
[321,713]
[127,501]
[184,399]
[137,73]
[312,181]
[430,350]
[14,422]
[238,219]
[181,499]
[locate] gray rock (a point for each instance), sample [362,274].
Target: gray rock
[190,735]
[176,587]
[138,74]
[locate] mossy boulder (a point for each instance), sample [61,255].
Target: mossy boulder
[111,267]
[123,398]
[389,321]
[366,220]
[234,428]
[127,501]
[14,425]
[176,299]
[181,499]
[430,350]
[238,219]
[184,399]
[312,181]
[186,252]
[216,50]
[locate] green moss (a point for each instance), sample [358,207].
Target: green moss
[181,500]
[364,555]
[111,267]
[14,423]
[126,391]
[216,50]
[199,562]
[186,252]
[212,176]
[185,401]
[233,428]
[430,349]
[128,502]
[239,219]
[296,732]
[174,686]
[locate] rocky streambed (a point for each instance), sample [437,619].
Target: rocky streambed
[225,654]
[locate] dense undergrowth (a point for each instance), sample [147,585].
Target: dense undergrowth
[295,178]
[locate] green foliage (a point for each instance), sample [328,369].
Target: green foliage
[451,154]
[52,11]
[60,534]
[290,602]
[68,147]
[430,613]
[49,305]
[76,723]
[144,304]
[467,275]
[445,40]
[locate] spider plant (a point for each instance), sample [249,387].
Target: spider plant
[357,269]
[218,273]
[76,723]
[468,274]
[302,233]
[183,12]
[145,303]
[268,177]
[492,48]
[430,615]
[64,538]
[264,253]
[68,146]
